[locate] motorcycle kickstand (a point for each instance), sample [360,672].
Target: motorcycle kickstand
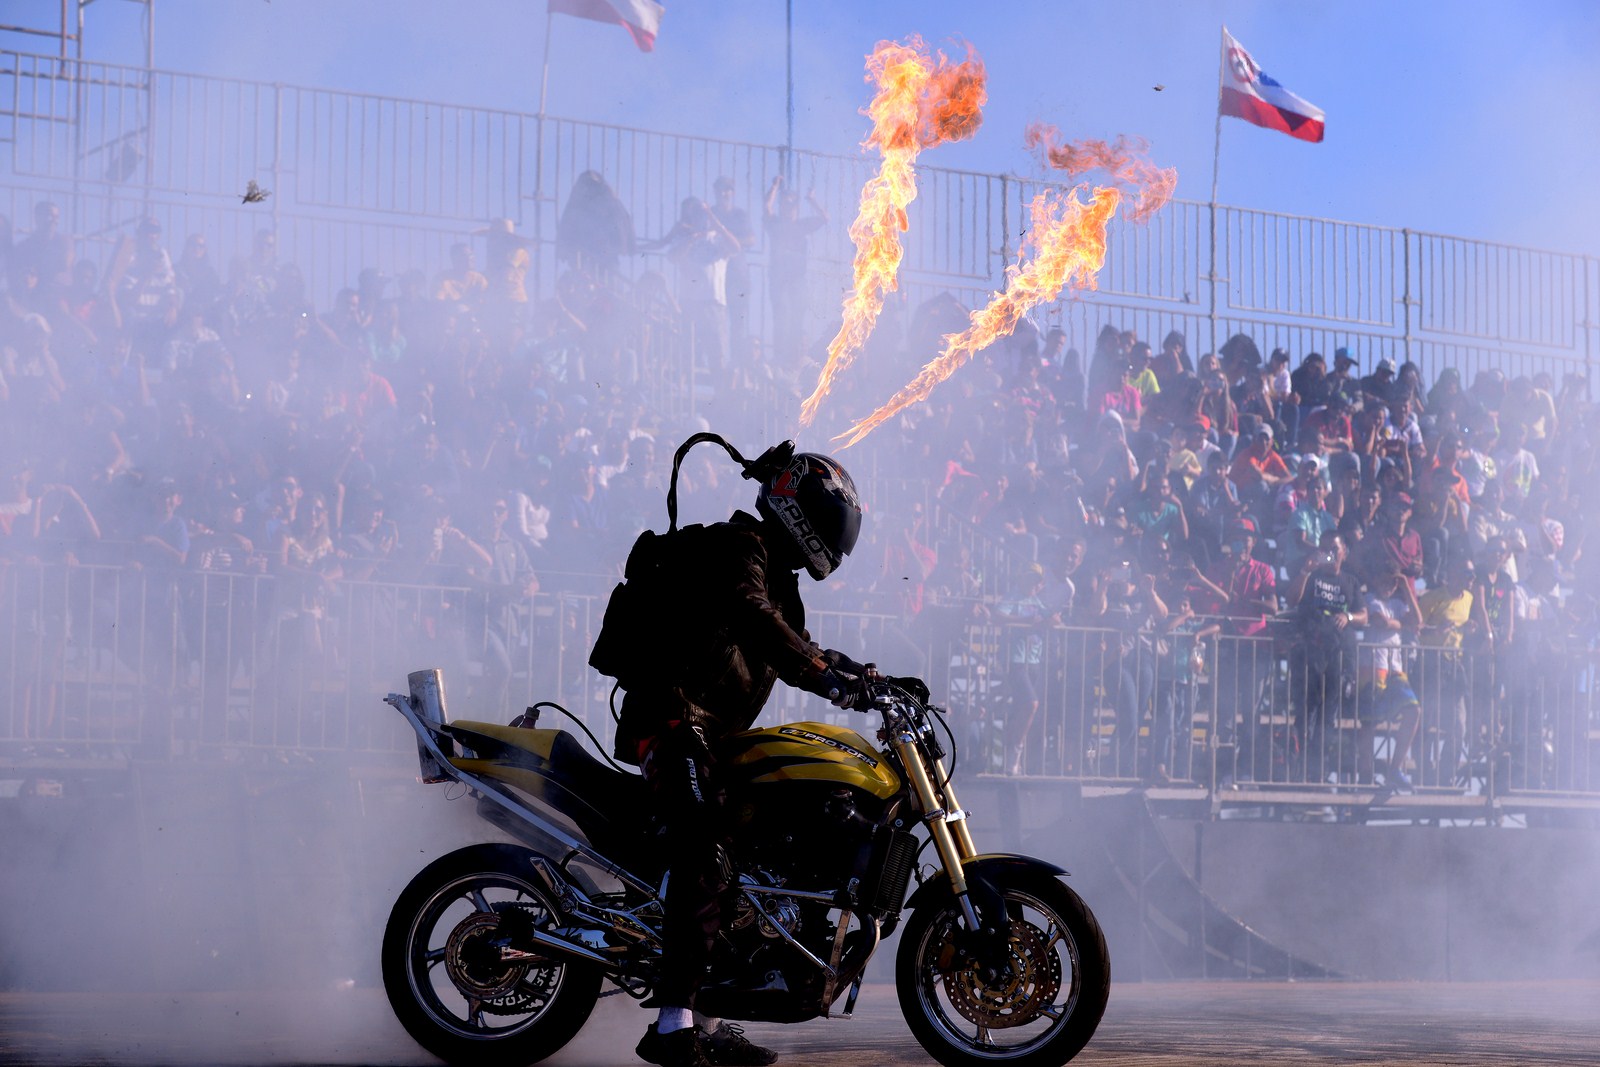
[850,998]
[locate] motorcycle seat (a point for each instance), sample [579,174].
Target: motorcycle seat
[568,776]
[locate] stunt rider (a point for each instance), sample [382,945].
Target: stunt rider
[743,629]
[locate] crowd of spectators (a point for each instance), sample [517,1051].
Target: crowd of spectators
[1418,553]
[465,430]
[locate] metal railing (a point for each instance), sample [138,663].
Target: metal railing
[101,662]
[361,180]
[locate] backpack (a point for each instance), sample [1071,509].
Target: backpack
[633,645]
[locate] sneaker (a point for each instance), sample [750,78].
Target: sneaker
[1400,783]
[726,1046]
[681,1048]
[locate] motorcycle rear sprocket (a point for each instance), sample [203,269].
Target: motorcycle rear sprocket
[1031,983]
[501,989]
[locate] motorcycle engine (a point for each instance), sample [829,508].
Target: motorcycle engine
[780,911]
[812,835]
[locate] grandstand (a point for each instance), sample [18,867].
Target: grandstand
[240,654]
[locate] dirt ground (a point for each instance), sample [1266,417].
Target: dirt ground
[1184,1024]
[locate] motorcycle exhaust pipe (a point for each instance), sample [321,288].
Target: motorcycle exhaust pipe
[554,948]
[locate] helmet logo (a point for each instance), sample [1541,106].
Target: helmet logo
[799,526]
[788,482]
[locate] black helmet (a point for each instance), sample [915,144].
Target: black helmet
[815,502]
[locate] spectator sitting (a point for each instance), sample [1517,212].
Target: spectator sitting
[1308,525]
[1327,429]
[1380,384]
[462,283]
[1257,470]
[1172,362]
[1391,545]
[1157,511]
[1516,469]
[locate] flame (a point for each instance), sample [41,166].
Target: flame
[1068,239]
[921,102]
[1123,160]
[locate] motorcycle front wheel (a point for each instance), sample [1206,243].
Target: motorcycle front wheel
[1037,1008]
[444,976]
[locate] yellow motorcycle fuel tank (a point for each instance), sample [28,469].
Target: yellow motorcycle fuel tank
[812,752]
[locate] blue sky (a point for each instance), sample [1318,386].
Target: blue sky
[1472,118]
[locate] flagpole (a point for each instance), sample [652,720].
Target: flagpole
[544,75]
[788,143]
[1216,162]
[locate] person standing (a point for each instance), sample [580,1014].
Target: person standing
[736,220]
[738,628]
[700,246]
[788,234]
[1329,612]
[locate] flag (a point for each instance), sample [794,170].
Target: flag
[641,18]
[1250,93]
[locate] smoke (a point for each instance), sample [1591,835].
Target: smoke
[203,881]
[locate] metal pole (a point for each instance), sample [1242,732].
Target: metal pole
[788,138]
[1588,323]
[538,159]
[544,75]
[149,100]
[1405,294]
[1216,162]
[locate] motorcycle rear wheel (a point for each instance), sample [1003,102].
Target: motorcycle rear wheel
[443,976]
[1040,1014]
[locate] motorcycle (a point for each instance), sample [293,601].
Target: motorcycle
[497,953]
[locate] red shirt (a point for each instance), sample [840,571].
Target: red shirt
[1247,469]
[1253,580]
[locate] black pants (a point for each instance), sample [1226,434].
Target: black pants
[682,775]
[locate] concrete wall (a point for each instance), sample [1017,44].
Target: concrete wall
[1362,901]
[186,877]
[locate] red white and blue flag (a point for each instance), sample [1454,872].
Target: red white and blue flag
[1250,93]
[641,18]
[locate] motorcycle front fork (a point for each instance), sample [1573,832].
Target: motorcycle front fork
[946,822]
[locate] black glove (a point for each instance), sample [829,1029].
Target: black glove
[845,690]
[841,662]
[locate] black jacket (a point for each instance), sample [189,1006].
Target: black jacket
[736,626]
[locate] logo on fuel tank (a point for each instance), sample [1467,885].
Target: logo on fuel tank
[820,739]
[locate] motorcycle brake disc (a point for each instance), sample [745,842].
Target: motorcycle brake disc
[472,961]
[1020,996]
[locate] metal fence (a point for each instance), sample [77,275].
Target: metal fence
[109,663]
[360,180]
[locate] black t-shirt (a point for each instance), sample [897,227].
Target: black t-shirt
[1327,596]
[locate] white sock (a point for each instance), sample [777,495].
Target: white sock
[707,1023]
[672,1019]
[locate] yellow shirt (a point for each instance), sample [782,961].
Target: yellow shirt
[1442,608]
